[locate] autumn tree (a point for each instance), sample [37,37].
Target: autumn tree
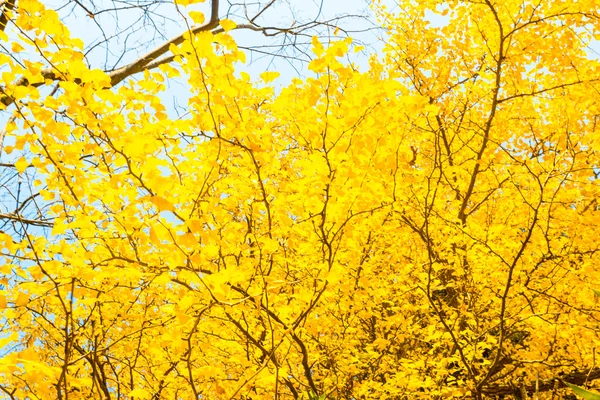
[426,227]
[125,38]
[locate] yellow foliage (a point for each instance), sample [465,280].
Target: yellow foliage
[424,229]
[227,24]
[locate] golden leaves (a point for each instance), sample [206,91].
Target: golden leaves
[21,165]
[22,299]
[227,24]
[141,394]
[317,48]
[161,203]
[169,70]
[268,77]
[16,47]
[197,17]
[319,224]
[189,2]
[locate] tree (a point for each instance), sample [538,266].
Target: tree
[426,228]
[125,38]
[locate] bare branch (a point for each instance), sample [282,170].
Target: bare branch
[141,63]
[33,222]
[536,92]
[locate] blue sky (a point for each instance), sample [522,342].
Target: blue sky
[143,31]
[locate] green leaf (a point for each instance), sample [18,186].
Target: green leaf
[597,292]
[586,394]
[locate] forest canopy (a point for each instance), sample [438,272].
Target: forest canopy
[422,227]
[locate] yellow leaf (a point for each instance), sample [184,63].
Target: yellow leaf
[220,389]
[77,43]
[197,16]
[188,2]
[161,203]
[154,237]
[2,302]
[227,24]
[22,300]
[16,47]
[169,70]
[318,48]
[188,239]
[269,76]
[21,165]
[182,317]
[6,340]
[241,56]
[195,225]
[162,280]
[140,394]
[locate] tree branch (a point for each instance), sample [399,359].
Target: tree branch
[540,91]
[149,60]
[33,222]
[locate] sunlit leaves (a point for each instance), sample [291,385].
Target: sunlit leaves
[227,24]
[189,2]
[270,76]
[410,230]
[197,17]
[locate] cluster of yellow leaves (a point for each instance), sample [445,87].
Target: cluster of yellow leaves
[425,229]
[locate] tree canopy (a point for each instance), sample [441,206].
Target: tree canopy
[423,228]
